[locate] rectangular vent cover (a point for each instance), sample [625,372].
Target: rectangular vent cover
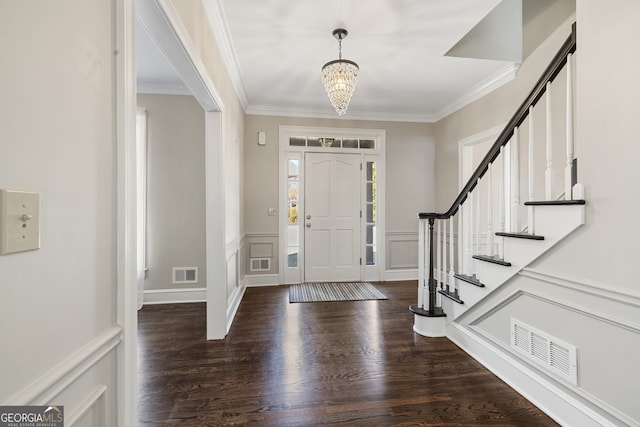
[557,356]
[260,264]
[185,274]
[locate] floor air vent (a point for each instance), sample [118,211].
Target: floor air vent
[552,353]
[185,274]
[260,264]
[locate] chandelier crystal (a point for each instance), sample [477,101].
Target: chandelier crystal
[340,77]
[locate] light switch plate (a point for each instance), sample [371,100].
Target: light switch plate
[19,221]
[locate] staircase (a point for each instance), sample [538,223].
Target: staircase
[488,234]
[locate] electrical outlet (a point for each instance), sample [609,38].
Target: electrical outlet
[273,212]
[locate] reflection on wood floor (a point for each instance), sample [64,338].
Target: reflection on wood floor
[337,363]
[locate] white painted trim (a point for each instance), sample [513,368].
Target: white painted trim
[403,274]
[559,403]
[216,259]
[579,284]
[173,296]
[499,78]
[220,30]
[324,113]
[165,27]
[51,384]
[233,247]
[126,252]
[234,304]
[256,280]
[84,408]
[259,235]
[378,154]
[478,138]
[162,88]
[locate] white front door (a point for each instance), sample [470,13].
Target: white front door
[332,217]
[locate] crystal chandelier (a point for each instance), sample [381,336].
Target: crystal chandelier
[340,77]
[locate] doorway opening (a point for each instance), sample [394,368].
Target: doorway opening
[332,191]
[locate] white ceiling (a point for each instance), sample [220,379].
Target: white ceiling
[276,49]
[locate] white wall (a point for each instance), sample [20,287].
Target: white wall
[175,189]
[410,153]
[581,291]
[57,137]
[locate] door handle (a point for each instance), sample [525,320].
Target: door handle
[308,225]
[308,216]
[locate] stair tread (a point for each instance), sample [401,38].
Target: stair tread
[521,235]
[437,311]
[469,279]
[554,202]
[492,259]
[451,295]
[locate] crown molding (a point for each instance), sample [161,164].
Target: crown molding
[499,78]
[270,110]
[220,29]
[162,88]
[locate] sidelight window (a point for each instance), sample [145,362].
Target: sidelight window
[293,183]
[371,214]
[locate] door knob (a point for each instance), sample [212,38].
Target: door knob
[308,225]
[308,216]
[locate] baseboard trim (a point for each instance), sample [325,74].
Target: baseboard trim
[560,405]
[404,274]
[171,296]
[43,390]
[234,303]
[255,280]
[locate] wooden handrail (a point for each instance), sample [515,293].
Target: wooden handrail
[554,68]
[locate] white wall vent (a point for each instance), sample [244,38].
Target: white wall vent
[260,264]
[185,275]
[557,356]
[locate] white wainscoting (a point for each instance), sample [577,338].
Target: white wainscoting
[85,384]
[255,280]
[588,315]
[402,250]
[235,277]
[261,245]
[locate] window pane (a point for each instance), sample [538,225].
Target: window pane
[369,234]
[371,259]
[369,192]
[292,212]
[330,142]
[297,141]
[370,213]
[349,143]
[314,142]
[370,171]
[367,143]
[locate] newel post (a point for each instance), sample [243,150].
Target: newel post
[432,281]
[429,321]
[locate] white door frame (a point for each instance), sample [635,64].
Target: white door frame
[286,152]
[163,21]
[465,170]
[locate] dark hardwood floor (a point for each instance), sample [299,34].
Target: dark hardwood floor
[339,363]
